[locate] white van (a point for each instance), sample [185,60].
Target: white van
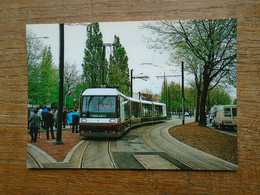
[225,117]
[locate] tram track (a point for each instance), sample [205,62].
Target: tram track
[133,152]
[38,158]
[89,154]
[32,162]
[190,156]
[97,155]
[163,134]
[110,153]
[155,139]
[82,154]
[145,147]
[159,139]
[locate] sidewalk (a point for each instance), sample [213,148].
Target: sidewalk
[58,152]
[43,130]
[42,133]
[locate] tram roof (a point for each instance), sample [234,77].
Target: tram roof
[159,103]
[133,99]
[102,91]
[146,102]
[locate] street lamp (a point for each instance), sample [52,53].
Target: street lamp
[104,45]
[164,76]
[164,79]
[136,77]
[108,45]
[77,24]
[38,37]
[61,79]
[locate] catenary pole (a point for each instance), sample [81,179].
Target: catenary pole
[131,74]
[61,82]
[182,90]
[104,65]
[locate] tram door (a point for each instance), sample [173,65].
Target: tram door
[125,111]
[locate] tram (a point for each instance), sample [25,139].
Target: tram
[106,112]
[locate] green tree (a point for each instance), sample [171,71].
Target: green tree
[71,76]
[193,66]
[48,79]
[213,42]
[71,81]
[165,94]
[119,72]
[190,99]
[34,49]
[42,74]
[73,101]
[218,96]
[94,64]
[174,97]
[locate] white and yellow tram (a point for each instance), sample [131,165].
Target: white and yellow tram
[106,112]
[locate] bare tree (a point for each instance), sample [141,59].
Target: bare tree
[212,42]
[71,76]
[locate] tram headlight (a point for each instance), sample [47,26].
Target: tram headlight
[112,120]
[83,120]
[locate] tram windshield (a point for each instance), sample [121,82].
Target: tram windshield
[99,106]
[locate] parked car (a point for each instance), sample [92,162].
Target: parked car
[186,114]
[226,117]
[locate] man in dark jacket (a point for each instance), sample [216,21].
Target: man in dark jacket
[49,119]
[75,121]
[64,117]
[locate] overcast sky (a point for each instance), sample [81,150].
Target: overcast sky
[131,37]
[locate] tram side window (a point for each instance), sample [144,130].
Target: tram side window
[147,109]
[158,110]
[150,108]
[127,110]
[135,110]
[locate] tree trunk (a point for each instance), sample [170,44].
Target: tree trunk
[204,93]
[198,106]
[203,119]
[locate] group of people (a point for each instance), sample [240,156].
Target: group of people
[47,118]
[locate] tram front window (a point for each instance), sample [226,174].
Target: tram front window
[99,106]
